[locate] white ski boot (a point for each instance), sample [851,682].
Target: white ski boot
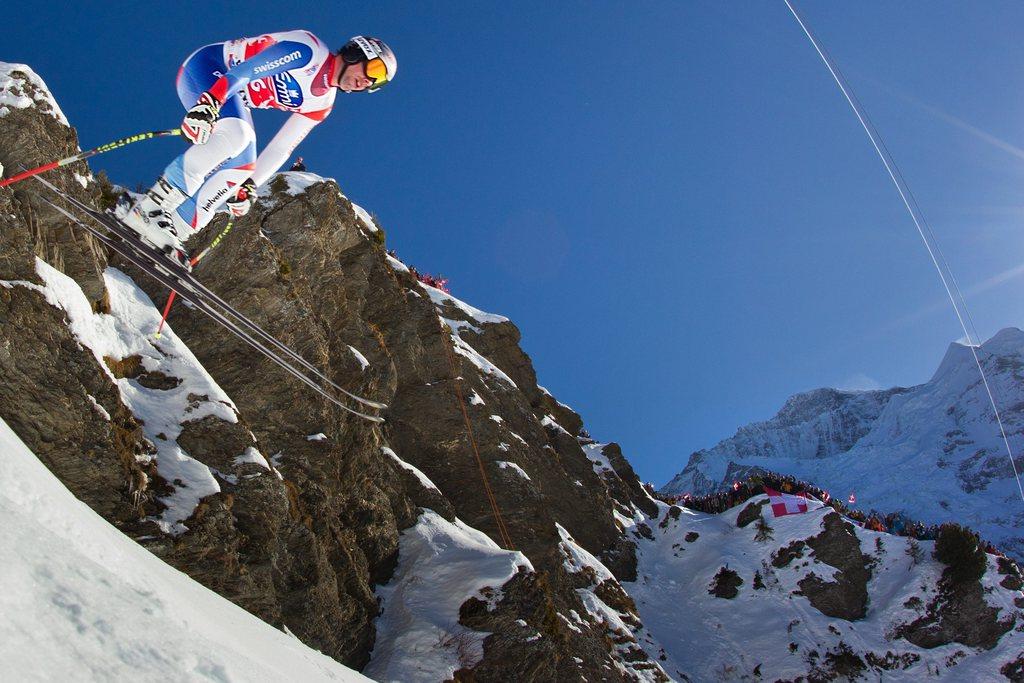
[155,220]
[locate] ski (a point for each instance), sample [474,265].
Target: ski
[156,265]
[115,226]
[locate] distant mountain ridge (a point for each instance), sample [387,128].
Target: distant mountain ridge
[933,451]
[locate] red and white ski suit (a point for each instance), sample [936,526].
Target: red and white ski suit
[292,71]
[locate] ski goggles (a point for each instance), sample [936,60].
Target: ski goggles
[378,71]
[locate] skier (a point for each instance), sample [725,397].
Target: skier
[293,71]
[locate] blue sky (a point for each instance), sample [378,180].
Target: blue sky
[671,200]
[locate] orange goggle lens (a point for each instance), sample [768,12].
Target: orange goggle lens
[376,69]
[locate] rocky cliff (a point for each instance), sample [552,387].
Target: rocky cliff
[223,466]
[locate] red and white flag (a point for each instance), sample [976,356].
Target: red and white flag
[786,503]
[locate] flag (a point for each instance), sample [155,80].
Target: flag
[785,503]
[852,499]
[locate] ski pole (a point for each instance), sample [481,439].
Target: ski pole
[192,263]
[90,153]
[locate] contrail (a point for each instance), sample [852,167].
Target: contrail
[939,304]
[949,283]
[954,121]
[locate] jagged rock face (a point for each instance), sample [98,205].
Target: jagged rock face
[54,393]
[884,445]
[625,486]
[427,426]
[32,137]
[958,614]
[309,549]
[48,380]
[305,549]
[306,268]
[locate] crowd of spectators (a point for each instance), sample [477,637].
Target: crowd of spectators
[438,281]
[434,281]
[894,522]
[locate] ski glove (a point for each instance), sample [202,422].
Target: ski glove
[243,199]
[199,120]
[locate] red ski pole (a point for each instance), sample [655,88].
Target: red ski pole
[192,263]
[90,153]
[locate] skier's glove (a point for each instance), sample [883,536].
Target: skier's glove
[199,120]
[243,199]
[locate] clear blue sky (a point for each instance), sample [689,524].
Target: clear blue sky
[670,199]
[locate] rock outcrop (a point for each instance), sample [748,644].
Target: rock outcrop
[260,490]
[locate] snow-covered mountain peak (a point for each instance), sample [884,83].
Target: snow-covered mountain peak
[1002,352]
[1008,341]
[803,406]
[932,451]
[21,88]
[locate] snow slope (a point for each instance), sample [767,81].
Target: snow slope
[933,451]
[126,332]
[80,601]
[441,565]
[710,638]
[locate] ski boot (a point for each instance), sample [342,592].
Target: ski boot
[154,219]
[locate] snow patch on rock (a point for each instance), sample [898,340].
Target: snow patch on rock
[423,479]
[441,298]
[441,565]
[15,82]
[599,461]
[578,558]
[363,363]
[504,464]
[251,455]
[365,217]
[121,334]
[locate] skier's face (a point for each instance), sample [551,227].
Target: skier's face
[354,78]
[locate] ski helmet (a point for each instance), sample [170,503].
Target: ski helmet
[380,61]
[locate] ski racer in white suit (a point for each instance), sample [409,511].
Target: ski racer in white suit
[293,71]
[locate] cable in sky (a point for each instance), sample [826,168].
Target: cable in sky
[946,275]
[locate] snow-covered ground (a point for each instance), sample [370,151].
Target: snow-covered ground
[711,638]
[82,602]
[441,565]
